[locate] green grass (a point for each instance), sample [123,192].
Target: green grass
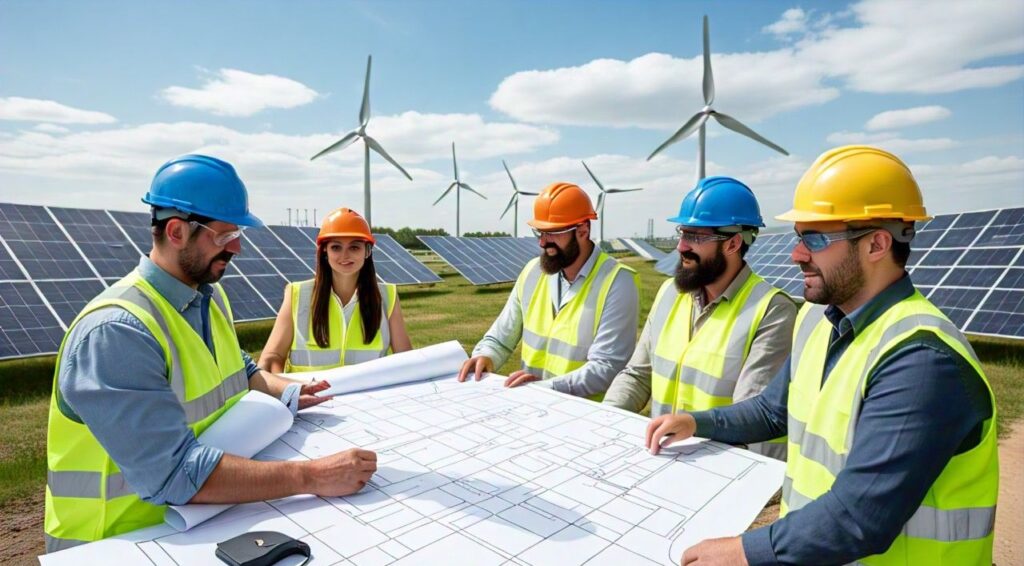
[452,309]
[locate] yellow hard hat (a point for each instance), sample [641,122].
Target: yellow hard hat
[857,182]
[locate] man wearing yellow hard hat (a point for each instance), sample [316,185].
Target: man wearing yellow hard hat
[575,308]
[892,454]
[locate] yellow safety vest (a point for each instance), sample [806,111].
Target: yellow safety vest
[556,344]
[954,523]
[87,498]
[345,345]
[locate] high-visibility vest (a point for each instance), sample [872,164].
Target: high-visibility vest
[87,498]
[556,344]
[699,372]
[345,345]
[954,523]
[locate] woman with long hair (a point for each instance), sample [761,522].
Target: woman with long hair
[342,316]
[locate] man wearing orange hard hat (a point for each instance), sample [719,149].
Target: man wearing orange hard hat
[574,308]
[892,454]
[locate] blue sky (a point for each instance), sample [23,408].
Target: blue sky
[94,96]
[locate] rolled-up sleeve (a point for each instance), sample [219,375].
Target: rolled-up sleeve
[506,331]
[613,345]
[631,388]
[113,379]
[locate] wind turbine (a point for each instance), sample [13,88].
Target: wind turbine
[513,202]
[368,144]
[604,193]
[698,121]
[456,184]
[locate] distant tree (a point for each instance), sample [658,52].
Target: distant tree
[406,237]
[487,235]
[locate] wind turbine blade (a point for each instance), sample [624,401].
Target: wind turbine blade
[691,125]
[709,77]
[471,189]
[527,193]
[600,203]
[736,126]
[380,150]
[339,145]
[444,194]
[364,110]
[623,190]
[511,203]
[592,176]
[455,163]
[514,186]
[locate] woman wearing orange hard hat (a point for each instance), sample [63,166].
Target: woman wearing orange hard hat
[342,316]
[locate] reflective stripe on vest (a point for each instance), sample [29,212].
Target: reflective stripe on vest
[955,521]
[87,498]
[676,384]
[307,355]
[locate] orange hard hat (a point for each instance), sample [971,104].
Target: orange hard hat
[344,223]
[561,205]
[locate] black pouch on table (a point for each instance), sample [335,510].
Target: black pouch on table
[260,548]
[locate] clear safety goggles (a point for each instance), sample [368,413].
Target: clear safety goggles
[542,233]
[817,241]
[219,238]
[698,238]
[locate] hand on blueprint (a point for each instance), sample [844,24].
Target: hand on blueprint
[666,429]
[716,552]
[479,365]
[520,377]
[307,394]
[343,473]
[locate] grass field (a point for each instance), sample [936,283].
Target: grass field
[453,309]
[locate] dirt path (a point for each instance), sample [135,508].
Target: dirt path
[21,523]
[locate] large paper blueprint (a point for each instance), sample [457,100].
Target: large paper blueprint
[473,473]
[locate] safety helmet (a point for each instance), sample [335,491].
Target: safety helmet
[719,201]
[857,182]
[561,205]
[344,223]
[207,186]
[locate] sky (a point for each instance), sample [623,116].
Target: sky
[95,96]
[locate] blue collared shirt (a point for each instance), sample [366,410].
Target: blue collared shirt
[923,405]
[113,378]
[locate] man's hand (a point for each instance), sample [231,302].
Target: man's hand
[340,474]
[716,552]
[667,429]
[307,397]
[520,377]
[479,365]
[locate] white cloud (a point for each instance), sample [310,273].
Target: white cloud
[987,182]
[660,91]
[237,93]
[51,129]
[893,119]
[891,141]
[793,20]
[15,108]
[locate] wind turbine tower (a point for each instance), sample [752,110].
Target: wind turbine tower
[601,198]
[513,202]
[457,185]
[368,144]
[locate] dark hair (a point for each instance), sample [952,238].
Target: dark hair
[366,289]
[158,227]
[900,252]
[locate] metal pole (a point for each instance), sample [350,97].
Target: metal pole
[700,154]
[314,217]
[366,182]
[458,190]
[289,216]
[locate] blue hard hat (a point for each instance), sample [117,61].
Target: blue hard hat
[717,202]
[207,186]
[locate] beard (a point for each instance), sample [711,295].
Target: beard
[690,279]
[551,264]
[841,284]
[199,271]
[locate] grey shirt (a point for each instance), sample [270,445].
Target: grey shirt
[612,346]
[631,389]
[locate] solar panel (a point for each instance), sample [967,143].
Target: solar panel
[27,326]
[484,261]
[68,298]
[395,265]
[298,243]
[280,256]
[246,303]
[102,242]
[643,249]
[9,270]
[137,226]
[40,245]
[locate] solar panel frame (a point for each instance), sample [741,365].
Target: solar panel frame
[28,327]
[484,261]
[100,240]
[40,245]
[643,249]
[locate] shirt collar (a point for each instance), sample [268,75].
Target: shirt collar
[587,266]
[178,294]
[869,312]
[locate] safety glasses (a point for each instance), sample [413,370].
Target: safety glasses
[539,233]
[219,238]
[817,241]
[698,238]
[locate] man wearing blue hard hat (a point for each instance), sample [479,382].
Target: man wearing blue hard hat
[717,333]
[152,362]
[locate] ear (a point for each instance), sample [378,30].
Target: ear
[369,250]
[584,231]
[879,244]
[177,232]
[733,244]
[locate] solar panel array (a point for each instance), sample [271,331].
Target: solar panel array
[643,249]
[484,261]
[55,260]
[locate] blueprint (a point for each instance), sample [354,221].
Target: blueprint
[474,473]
